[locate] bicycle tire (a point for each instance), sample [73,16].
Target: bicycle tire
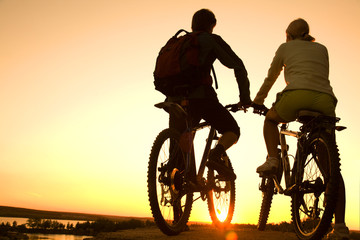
[268,192]
[314,201]
[170,204]
[221,199]
[267,196]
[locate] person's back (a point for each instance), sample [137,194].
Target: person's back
[307,66]
[213,47]
[203,101]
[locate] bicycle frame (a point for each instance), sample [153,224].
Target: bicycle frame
[210,138]
[173,177]
[175,108]
[284,131]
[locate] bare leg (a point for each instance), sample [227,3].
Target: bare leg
[271,132]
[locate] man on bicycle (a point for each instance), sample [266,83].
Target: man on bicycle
[306,66]
[203,101]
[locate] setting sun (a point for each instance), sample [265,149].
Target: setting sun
[221,214]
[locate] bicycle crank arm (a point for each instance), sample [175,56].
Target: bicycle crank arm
[277,185]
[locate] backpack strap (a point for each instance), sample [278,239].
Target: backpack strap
[213,71]
[180,31]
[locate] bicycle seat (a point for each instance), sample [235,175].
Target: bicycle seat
[307,115]
[172,108]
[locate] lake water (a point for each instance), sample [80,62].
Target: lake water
[35,236]
[21,221]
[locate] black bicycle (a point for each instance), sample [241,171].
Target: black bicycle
[172,178]
[313,181]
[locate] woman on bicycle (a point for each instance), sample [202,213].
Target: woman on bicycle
[306,71]
[203,101]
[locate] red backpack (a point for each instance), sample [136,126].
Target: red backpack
[177,66]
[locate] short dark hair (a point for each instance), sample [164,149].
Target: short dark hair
[203,20]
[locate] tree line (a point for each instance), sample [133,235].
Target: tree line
[90,228]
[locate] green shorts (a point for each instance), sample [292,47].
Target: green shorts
[289,103]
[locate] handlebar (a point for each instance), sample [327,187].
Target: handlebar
[235,107]
[258,109]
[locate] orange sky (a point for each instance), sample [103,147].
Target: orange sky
[76,97]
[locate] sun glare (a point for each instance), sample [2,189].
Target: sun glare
[231,236]
[221,214]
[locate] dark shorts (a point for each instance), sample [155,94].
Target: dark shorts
[212,111]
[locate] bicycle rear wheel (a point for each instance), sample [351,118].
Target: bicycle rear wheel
[221,198]
[170,204]
[317,179]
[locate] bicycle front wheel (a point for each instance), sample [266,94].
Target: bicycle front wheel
[221,198]
[317,180]
[170,204]
[268,189]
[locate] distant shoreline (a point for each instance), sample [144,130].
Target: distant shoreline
[6,211]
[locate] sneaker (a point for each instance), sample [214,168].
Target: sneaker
[340,232]
[216,163]
[270,165]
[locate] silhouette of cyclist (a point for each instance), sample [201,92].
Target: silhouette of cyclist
[203,101]
[306,66]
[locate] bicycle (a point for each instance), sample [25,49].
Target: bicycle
[313,181]
[170,185]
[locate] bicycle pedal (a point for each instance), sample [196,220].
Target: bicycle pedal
[269,174]
[290,190]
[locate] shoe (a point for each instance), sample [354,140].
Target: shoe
[340,232]
[216,163]
[270,165]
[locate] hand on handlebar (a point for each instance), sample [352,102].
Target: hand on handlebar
[238,106]
[244,106]
[259,109]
